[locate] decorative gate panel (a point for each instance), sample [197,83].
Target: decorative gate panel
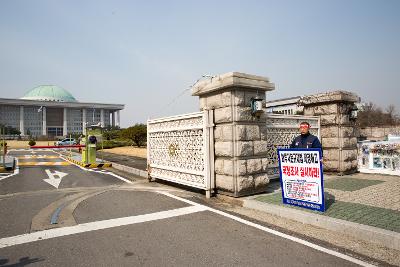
[179,149]
[281,130]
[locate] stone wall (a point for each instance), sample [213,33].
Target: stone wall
[377,133]
[338,134]
[240,139]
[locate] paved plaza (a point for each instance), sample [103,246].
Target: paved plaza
[368,199]
[382,190]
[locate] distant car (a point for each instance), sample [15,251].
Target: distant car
[66,142]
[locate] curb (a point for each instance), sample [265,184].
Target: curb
[130,170]
[93,165]
[117,166]
[383,237]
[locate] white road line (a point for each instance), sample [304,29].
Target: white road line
[99,225]
[102,172]
[29,150]
[274,232]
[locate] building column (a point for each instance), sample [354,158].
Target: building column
[118,118]
[102,118]
[65,124]
[21,120]
[84,121]
[44,125]
[113,119]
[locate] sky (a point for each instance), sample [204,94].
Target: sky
[145,54]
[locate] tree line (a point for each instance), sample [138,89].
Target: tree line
[8,130]
[372,115]
[137,134]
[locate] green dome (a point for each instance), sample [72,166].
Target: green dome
[49,93]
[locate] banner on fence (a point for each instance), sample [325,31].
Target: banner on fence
[301,177]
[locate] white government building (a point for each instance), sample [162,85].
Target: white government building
[287,106]
[49,110]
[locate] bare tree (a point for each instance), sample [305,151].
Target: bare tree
[372,115]
[391,111]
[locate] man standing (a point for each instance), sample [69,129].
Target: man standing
[305,139]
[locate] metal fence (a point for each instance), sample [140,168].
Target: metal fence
[281,130]
[181,149]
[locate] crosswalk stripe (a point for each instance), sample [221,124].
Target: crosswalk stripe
[37,157]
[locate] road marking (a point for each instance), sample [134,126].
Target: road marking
[52,180]
[102,172]
[44,163]
[29,150]
[37,157]
[274,232]
[99,225]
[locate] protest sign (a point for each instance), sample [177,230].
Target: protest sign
[301,178]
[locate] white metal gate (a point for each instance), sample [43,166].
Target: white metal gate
[281,130]
[180,149]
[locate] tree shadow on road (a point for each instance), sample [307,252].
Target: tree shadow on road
[22,262]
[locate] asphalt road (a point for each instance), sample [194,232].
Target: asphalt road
[94,218]
[131,161]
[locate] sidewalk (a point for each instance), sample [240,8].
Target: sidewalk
[369,202]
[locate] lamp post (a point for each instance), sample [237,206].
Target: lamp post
[44,126]
[86,143]
[4,146]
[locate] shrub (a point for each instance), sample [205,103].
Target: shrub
[74,135]
[112,143]
[9,130]
[111,133]
[32,142]
[137,134]
[45,138]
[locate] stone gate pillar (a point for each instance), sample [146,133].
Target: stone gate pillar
[338,131]
[240,145]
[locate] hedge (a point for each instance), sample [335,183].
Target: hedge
[113,143]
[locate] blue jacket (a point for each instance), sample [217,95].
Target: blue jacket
[306,141]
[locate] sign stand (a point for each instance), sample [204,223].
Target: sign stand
[301,177]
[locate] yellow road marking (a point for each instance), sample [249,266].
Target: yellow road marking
[44,163]
[38,157]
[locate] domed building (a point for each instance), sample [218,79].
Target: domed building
[49,93]
[49,110]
